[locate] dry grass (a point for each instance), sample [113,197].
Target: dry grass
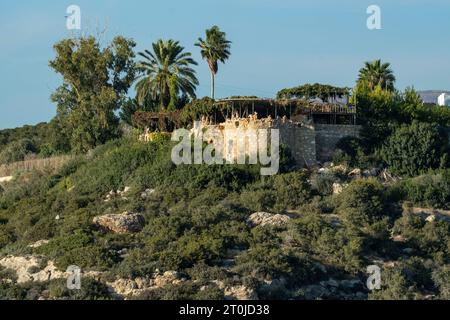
[52,163]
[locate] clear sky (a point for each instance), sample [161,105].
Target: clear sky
[276,43]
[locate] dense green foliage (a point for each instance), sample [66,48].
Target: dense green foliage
[324,227]
[165,73]
[316,90]
[376,73]
[28,142]
[413,149]
[197,218]
[430,190]
[96,81]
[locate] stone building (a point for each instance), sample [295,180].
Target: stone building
[311,134]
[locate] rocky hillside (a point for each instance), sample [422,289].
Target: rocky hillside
[140,227]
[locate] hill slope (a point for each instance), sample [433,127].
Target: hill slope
[190,232]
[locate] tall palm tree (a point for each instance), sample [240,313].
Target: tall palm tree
[214,48]
[377,73]
[164,71]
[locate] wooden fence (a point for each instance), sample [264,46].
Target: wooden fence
[52,163]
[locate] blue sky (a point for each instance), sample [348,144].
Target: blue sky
[276,43]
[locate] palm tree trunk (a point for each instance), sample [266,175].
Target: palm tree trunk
[212,84]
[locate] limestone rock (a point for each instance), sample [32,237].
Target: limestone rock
[264,218]
[39,243]
[6,179]
[28,268]
[431,218]
[339,169]
[134,287]
[119,193]
[338,188]
[129,287]
[121,223]
[386,176]
[240,293]
[355,173]
[169,277]
[147,193]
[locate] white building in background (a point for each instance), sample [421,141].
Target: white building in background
[444,100]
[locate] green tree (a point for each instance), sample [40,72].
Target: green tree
[164,71]
[441,279]
[412,106]
[377,73]
[413,149]
[362,203]
[214,48]
[378,112]
[96,81]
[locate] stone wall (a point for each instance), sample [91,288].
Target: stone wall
[328,135]
[309,143]
[300,139]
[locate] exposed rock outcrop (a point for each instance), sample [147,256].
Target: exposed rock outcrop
[240,293]
[39,243]
[339,187]
[129,288]
[126,222]
[147,193]
[30,268]
[264,218]
[119,193]
[137,286]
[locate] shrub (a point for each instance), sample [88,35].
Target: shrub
[186,291]
[413,149]
[352,152]
[278,193]
[90,290]
[394,286]
[267,260]
[340,248]
[9,291]
[362,203]
[7,235]
[441,279]
[430,238]
[78,249]
[291,190]
[17,151]
[432,190]
[323,183]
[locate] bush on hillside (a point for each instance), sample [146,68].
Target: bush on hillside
[431,239]
[414,149]
[362,203]
[17,151]
[431,190]
[352,151]
[278,193]
[441,279]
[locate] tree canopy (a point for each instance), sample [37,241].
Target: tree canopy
[377,73]
[214,48]
[95,83]
[316,90]
[166,72]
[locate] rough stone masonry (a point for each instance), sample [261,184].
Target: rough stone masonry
[309,143]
